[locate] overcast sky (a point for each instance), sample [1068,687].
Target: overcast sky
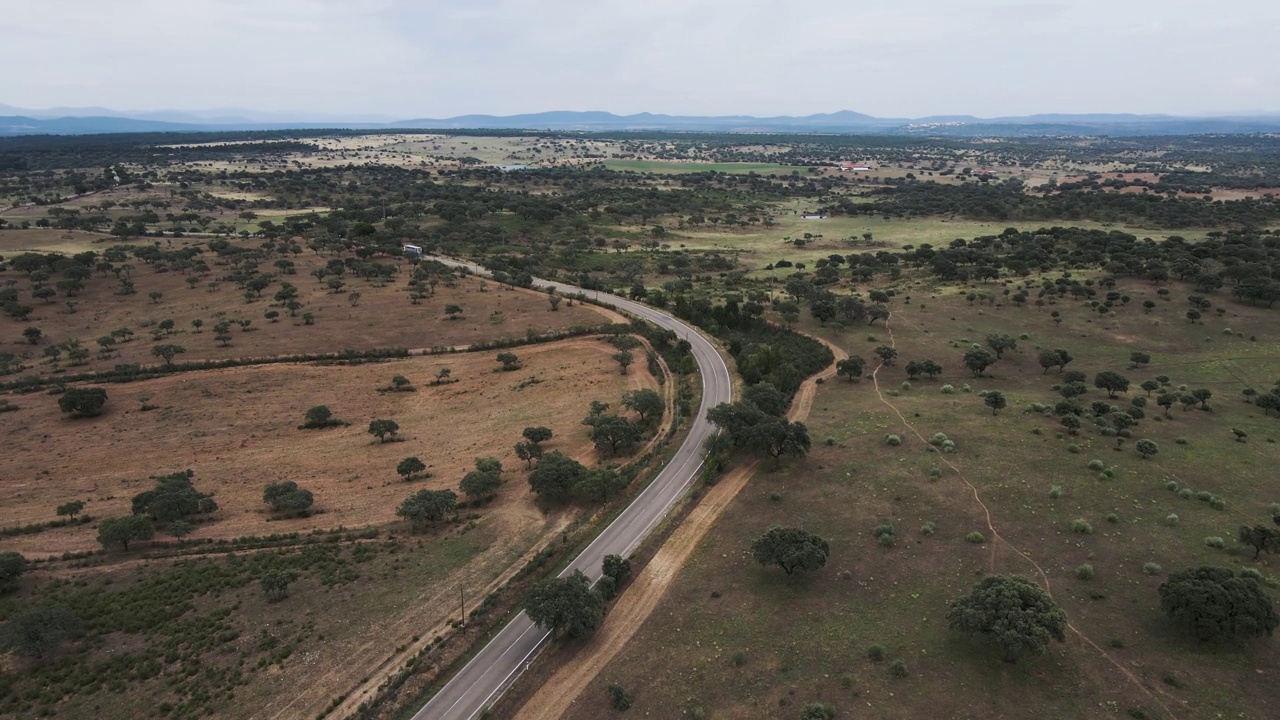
[438,58]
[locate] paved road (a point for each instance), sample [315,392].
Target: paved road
[492,671]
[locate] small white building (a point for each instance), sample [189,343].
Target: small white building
[412,250]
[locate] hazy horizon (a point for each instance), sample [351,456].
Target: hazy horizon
[395,60]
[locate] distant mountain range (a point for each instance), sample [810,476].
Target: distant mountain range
[77,121]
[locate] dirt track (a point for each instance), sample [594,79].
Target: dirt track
[638,601]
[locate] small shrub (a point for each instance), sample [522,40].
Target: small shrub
[1171,486]
[775,496]
[976,537]
[1113,518]
[618,697]
[1214,542]
[887,541]
[1186,493]
[898,668]
[829,441]
[1081,526]
[882,529]
[966,388]
[739,659]
[947,389]
[1251,573]
[927,528]
[1152,568]
[935,472]
[1217,503]
[1073,448]
[1171,519]
[1204,496]
[1115,643]
[875,653]
[1180,441]
[892,440]
[905,386]
[1085,572]
[1055,492]
[1096,465]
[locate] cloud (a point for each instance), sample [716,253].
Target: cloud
[444,57]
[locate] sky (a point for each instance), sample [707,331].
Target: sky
[403,59]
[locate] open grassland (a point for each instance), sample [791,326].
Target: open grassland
[376,317]
[237,429]
[760,245]
[674,167]
[735,640]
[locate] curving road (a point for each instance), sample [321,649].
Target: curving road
[508,654]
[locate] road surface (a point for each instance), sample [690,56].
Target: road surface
[479,684]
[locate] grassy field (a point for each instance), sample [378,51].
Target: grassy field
[734,640]
[673,167]
[758,246]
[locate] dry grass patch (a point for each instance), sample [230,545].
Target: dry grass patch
[237,429]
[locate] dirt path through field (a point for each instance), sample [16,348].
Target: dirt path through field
[640,598]
[1001,541]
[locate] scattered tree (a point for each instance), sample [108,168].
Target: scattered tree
[83,402]
[1215,603]
[624,359]
[995,400]
[978,359]
[409,467]
[124,530]
[851,367]
[614,432]
[1015,612]
[616,567]
[1112,382]
[1261,538]
[1054,358]
[791,549]
[647,403]
[173,498]
[70,509]
[556,476]
[13,565]
[287,498]
[1146,448]
[537,434]
[275,584]
[509,361]
[1001,342]
[452,312]
[167,353]
[427,506]
[484,481]
[384,430]
[319,417]
[566,605]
